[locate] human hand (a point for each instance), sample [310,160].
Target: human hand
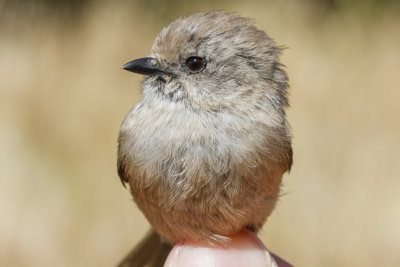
[245,249]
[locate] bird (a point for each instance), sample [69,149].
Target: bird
[205,148]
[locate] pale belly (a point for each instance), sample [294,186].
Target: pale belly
[200,178]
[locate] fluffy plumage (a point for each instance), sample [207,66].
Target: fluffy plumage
[204,152]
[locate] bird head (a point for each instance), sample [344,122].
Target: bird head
[213,61]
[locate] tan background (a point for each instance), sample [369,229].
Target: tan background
[63,97]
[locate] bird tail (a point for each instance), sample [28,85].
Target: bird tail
[150,252]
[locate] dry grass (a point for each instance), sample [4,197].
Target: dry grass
[63,97]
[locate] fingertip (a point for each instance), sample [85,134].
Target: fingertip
[245,249]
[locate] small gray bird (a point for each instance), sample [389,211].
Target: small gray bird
[205,149]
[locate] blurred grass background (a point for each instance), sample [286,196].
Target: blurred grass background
[63,97]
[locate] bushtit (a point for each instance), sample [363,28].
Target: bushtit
[205,149]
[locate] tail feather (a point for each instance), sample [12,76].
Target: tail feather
[150,252]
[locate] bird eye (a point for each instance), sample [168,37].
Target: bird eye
[195,64]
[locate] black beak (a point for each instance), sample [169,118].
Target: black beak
[145,66]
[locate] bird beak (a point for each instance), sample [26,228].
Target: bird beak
[145,66]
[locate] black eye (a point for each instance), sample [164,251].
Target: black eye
[195,64]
